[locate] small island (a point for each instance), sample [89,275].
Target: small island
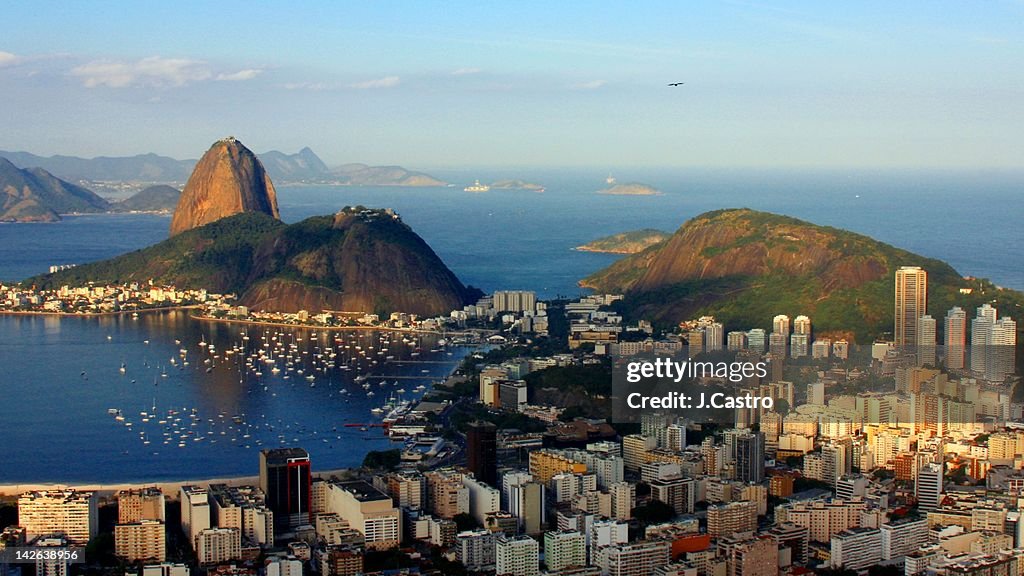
[631,189]
[513,184]
[626,242]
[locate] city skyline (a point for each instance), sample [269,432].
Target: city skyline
[787,84]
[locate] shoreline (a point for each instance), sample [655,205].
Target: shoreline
[312,327]
[168,487]
[95,314]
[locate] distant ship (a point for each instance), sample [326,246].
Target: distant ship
[610,179]
[477,187]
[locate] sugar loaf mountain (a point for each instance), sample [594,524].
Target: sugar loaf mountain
[745,266]
[227,236]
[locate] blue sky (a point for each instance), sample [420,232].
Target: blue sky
[448,84]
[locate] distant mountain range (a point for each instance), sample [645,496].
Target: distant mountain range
[302,167]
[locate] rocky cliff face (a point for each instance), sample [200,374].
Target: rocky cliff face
[228,180]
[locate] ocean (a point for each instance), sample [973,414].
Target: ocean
[55,420]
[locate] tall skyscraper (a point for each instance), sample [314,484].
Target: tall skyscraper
[981,333]
[286,481]
[780,325]
[750,457]
[756,339]
[928,487]
[1000,352]
[714,337]
[481,448]
[802,325]
[911,304]
[956,338]
[926,341]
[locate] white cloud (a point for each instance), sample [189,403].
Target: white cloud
[385,82]
[7,59]
[247,74]
[465,71]
[153,71]
[592,85]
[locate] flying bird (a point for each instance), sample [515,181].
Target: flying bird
[677,83]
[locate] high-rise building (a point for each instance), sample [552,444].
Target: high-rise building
[70,513]
[736,340]
[748,555]
[778,344]
[714,337]
[564,549]
[526,502]
[799,345]
[911,304]
[636,559]
[726,519]
[856,548]
[780,325]
[286,482]
[750,457]
[956,338]
[483,499]
[195,512]
[481,451]
[475,549]
[981,332]
[137,505]
[141,541]
[802,325]
[928,488]
[901,537]
[49,566]
[756,339]
[926,341]
[217,545]
[515,301]
[1000,353]
[242,508]
[678,492]
[368,511]
[516,556]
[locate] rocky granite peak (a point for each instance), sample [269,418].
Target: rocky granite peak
[227,180]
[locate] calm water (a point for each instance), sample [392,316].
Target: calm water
[62,377]
[502,239]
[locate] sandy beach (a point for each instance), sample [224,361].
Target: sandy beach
[168,487]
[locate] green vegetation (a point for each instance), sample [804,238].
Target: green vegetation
[744,267]
[160,198]
[365,261]
[382,459]
[626,242]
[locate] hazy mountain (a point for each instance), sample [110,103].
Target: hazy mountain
[141,168]
[304,166]
[35,195]
[363,175]
[158,198]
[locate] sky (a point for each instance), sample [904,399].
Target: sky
[462,84]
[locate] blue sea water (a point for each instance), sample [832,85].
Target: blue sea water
[54,420]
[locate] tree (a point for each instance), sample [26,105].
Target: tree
[382,459]
[465,522]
